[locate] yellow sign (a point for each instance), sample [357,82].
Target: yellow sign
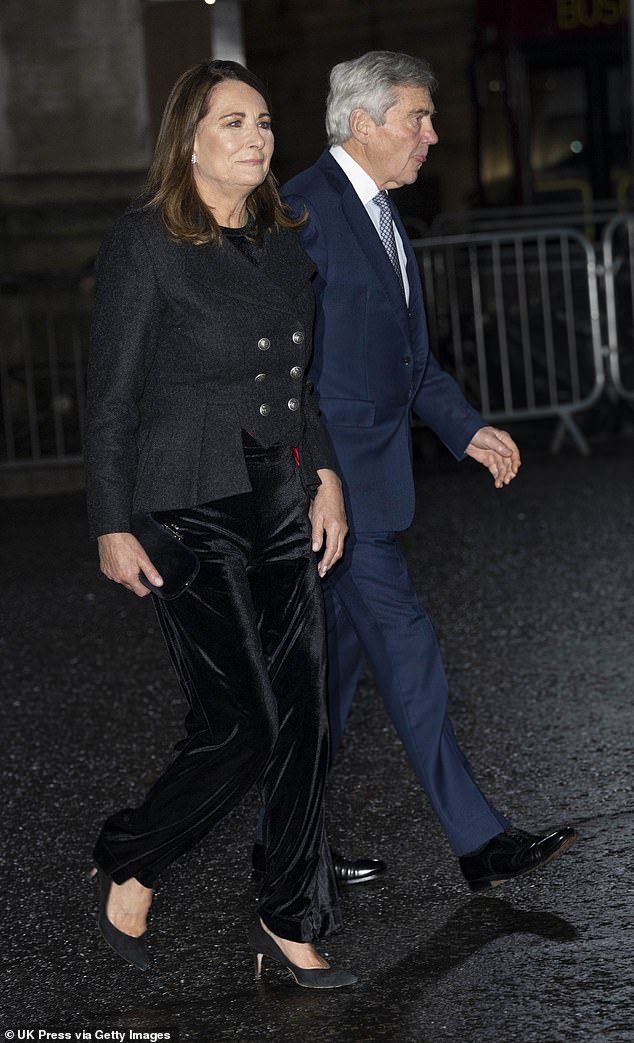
[589,14]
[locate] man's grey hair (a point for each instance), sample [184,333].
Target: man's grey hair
[370,83]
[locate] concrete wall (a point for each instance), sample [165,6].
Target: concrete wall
[74,129]
[72,88]
[77,125]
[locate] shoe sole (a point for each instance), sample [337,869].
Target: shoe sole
[318,988]
[367,879]
[478,886]
[370,878]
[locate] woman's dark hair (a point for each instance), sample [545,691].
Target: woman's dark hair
[170,184]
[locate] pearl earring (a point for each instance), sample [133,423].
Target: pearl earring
[194,157]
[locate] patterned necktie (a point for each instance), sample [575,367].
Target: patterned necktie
[386,231]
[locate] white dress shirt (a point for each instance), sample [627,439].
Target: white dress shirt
[366,190]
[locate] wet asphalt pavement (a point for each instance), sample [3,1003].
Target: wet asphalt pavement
[532,592]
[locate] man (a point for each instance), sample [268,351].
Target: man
[372,370]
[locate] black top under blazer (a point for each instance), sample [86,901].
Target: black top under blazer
[190,346]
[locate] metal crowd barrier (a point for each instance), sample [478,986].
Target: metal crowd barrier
[514,316]
[588,219]
[618,273]
[43,349]
[528,322]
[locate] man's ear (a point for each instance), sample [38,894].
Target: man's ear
[360,121]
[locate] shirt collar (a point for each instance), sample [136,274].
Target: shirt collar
[361,181]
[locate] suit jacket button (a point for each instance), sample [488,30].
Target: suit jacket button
[264,344]
[296,372]
[265,409]
[406,360]
[298,337]
[293,404]
[260,377]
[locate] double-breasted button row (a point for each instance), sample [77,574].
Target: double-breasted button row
[295,373]
[264,343]
[293,404]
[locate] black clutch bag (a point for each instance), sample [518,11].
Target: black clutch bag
[177,564]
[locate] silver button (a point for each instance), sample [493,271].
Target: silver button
[293,404]
[265,409]
[298,337]
[264,344]
[296,372]
[260,377]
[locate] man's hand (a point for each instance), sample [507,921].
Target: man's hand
[496,451]
[121,558]
[328,516]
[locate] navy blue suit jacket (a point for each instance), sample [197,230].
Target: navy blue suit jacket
[371,365]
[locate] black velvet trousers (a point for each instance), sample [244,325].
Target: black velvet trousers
[247,641]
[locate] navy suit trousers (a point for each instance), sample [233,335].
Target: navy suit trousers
[373,615]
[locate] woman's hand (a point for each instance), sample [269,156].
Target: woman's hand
[121,558]
[327,515]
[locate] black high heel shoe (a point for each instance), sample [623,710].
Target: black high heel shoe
[331,977]
[134,950]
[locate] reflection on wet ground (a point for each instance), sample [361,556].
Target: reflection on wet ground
[531,592]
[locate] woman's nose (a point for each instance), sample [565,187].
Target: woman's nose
[256,137]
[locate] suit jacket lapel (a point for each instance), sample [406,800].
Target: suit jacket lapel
[413,273]
[282,274]
[286,263]
[364,231]
[417,315]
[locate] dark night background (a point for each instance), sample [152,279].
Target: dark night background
[530,589]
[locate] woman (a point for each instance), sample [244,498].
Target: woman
[200,419]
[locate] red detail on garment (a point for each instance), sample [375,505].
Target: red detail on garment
[296,454]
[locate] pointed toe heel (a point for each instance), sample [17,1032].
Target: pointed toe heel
[262,944]
[132,950]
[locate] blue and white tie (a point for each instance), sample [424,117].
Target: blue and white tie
[386,231]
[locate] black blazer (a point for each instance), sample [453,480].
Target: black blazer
[191,345]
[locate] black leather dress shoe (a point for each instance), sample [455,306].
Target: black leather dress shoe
[356,870]
[347,870]
[512,854]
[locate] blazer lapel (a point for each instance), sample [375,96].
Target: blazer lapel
[413,273]
[417,315]
[286,263]
[365,233]
[282,274]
